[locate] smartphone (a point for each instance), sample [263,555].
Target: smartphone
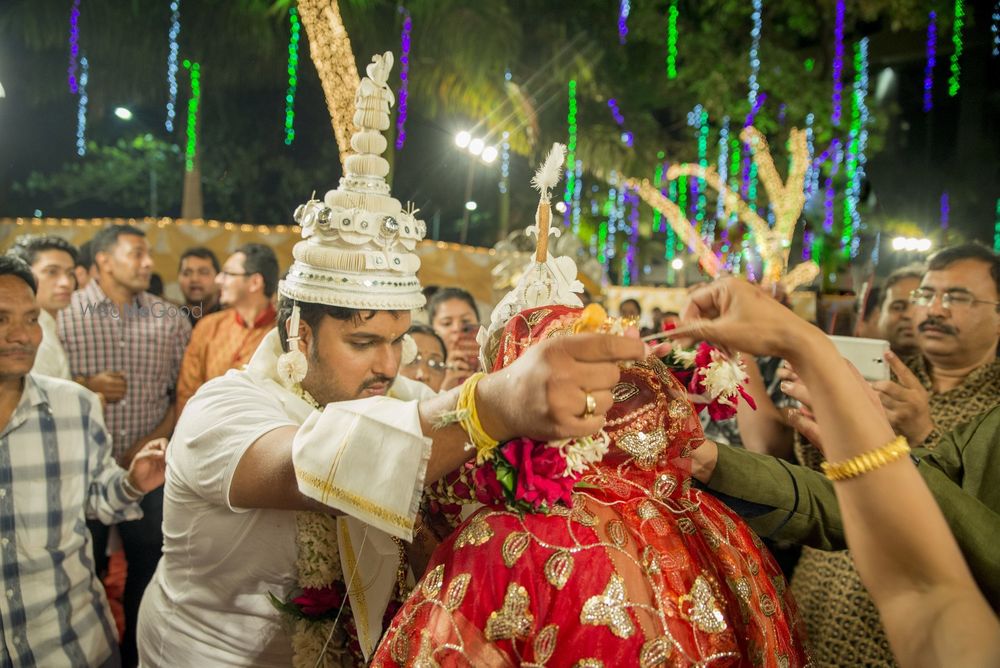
[867,355]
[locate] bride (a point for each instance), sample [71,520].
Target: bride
[639,568]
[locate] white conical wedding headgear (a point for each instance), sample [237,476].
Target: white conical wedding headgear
[357,244]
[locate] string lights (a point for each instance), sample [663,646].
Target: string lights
[630,265]
[627,137]
[838,64]
[812,172]
[672,15]
[404,75]
[956,54]
[172,52]
[81,109]
[658,181]
[996,229]
[755,52]
[331,52]
[293,76]
[931,60]
[74,46]
[192,114]
[720,205]
[570,154]
[698,119]
[624,7]
[577,193]
[945,211]
[856,160]
[505,162]
[995,28]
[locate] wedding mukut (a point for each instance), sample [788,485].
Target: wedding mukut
[719,389]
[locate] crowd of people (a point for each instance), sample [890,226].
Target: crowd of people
[298,473]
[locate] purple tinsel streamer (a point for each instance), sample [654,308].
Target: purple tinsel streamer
[74,46]
[838,64]
[931,60]
[404,75]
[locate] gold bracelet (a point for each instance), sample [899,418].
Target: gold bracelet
[895,449]
[466,408]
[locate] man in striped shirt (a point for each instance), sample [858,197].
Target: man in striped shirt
[127,345]
[55,469]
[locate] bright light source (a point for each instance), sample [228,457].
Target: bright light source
[462,139]
[471,206]
[489,154]
[911,244]
[476,146]
[123,113]
[924,245]
[677,263]
[561,206]
[898,243]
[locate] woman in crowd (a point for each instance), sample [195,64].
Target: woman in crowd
[453,315]
[429,365]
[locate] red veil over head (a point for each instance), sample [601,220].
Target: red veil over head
[642,569]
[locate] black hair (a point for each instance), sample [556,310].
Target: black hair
[630,301]
[155,285]
[909,271]
[260,259]
[421,328]
[870,301]
[28,247]
[11,265]
[200,252]
[313,314]
[443,295]
[85,255]
[970,251]
[107,237]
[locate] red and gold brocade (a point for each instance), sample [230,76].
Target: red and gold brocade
[642,570]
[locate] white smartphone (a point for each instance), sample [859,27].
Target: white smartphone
[867,355]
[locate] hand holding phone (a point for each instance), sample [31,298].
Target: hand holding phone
[867,355]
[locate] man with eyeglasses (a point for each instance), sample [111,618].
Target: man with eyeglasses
[956,376]
[227,339]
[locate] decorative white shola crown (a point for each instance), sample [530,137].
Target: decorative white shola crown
[357,244]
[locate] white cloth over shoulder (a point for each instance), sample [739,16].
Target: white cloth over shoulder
[51,359]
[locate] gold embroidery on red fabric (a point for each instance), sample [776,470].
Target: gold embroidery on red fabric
[767,605]
[580,513]
[609,609]
[623,392]
[655,652]
[476,533]
[514,546]
[512,620]
[558,568]
[399,648]
[617,532]
[651,560]
[456,591]
[545,644]
[425,653]
[647,510]
[664,486]
[589,663]
[704,610]
[433,581]
[644,447]
[686,525]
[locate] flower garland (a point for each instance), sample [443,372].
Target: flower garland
[715,382]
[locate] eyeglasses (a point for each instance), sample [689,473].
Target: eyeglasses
[431,363]
[949,300]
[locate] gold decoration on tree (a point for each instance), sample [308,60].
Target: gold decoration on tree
[330,48]
[787,199]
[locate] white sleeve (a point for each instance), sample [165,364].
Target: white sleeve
[366,458]
[217,426]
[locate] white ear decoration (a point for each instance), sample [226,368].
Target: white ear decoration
[409,350]
[292,366]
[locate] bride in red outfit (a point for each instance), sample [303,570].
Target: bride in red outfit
[640,569]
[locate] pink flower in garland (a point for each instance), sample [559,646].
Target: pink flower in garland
[541,478]
[489,491]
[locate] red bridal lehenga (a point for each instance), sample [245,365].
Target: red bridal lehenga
[642,570]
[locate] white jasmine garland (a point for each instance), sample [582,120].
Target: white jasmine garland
[723,378]
[685,357]
[580,453]
[409,350]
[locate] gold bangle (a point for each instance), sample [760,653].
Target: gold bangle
[895,449]
[466,408]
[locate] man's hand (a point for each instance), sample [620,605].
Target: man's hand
[906,402]
[543,395]
[110,384]
[149,466]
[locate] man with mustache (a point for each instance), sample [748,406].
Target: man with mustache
[56,469]
[52,260]
[891,315]
[956,376]
[196,277]
[127,344]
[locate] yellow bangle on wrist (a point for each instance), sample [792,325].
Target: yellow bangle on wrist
[466,408]
[866,462]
